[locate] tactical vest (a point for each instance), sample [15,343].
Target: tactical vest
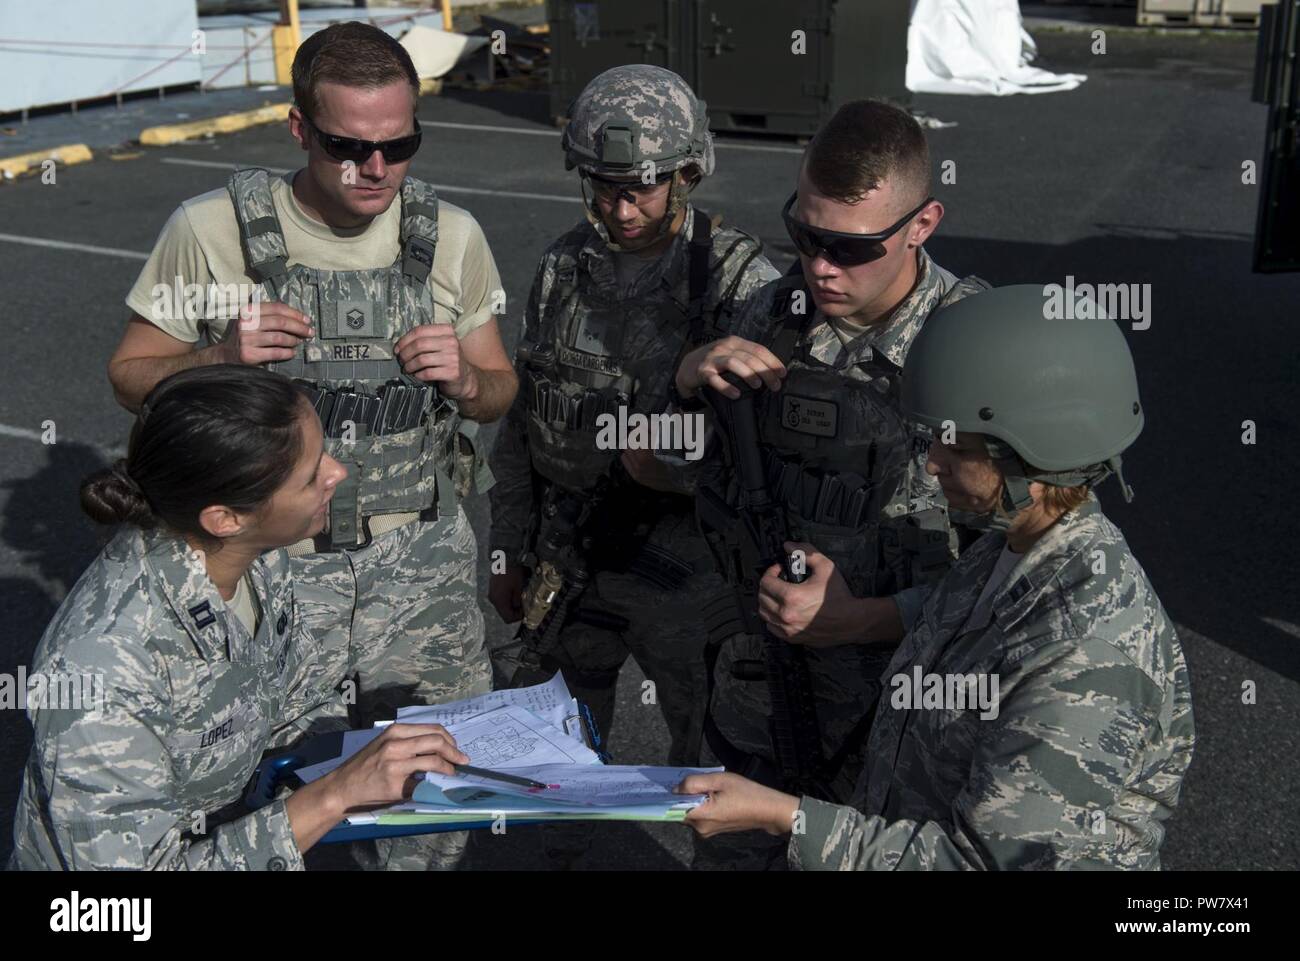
[578,364]
[395,434]
[845,464]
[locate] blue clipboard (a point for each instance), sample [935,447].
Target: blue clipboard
[275,772]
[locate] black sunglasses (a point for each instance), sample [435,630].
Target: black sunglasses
[844,249]
[359,151]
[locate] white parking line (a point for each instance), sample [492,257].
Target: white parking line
[496,128]
[67,245]
[445,188]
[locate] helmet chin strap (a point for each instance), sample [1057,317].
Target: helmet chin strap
[1015,495]
[678,193]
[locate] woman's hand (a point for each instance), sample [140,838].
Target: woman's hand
[737,804]
[383,772]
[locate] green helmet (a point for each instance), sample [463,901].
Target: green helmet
[1057,400]
[636,113]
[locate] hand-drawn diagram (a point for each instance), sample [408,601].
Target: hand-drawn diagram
[500,747]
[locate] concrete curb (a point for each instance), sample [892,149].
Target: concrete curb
[66,155]
[227,123]
[166,134]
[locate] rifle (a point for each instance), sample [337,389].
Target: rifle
[755,533]
[601,528]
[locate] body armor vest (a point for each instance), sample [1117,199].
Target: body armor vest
[845,465]
[394,433]
[595,353]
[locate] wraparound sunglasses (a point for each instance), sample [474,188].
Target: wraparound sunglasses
[359,151]
[845,249]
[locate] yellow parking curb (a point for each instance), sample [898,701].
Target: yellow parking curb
[68,154]
[228,123]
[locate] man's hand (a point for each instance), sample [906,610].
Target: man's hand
[753,362]
[649,471]
[737,804]
[265,330]
[820,612]
[506,593]
[432,353]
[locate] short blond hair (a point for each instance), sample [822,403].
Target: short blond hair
[1062,500]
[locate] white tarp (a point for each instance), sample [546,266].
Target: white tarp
[975,47]
[434,52]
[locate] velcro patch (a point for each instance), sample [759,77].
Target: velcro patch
[584,361]
[370,350]
[592,335]
[419,250]
[808,416]
[353,318]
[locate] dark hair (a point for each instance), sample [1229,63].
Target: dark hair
[221,434]
[866,142]
[353,54]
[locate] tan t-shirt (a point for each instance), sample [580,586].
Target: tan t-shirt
[200,245]
[246,606]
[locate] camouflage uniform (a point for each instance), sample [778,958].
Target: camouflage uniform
[1092,737]
[615,337]
[192,702]
[399,613]
[664,633]
[868,440]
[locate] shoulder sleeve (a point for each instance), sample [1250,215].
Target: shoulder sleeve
[740,271]
[751,319]
[1049,780]
[176,260]
[109,796]
[512,495]
[481,293]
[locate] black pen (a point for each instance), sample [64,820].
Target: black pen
[497,776]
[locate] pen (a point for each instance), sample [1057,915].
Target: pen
[497,776]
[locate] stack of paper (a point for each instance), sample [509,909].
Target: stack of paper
[533,733]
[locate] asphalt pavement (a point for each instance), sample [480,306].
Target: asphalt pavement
[1135,177]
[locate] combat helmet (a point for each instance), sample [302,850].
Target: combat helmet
[1056,400]
[638,118]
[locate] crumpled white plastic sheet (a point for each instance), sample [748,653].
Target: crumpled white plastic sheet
[976,47]
[434,52]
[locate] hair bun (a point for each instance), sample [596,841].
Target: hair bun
[111,496]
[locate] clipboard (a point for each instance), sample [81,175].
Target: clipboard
[277,771]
